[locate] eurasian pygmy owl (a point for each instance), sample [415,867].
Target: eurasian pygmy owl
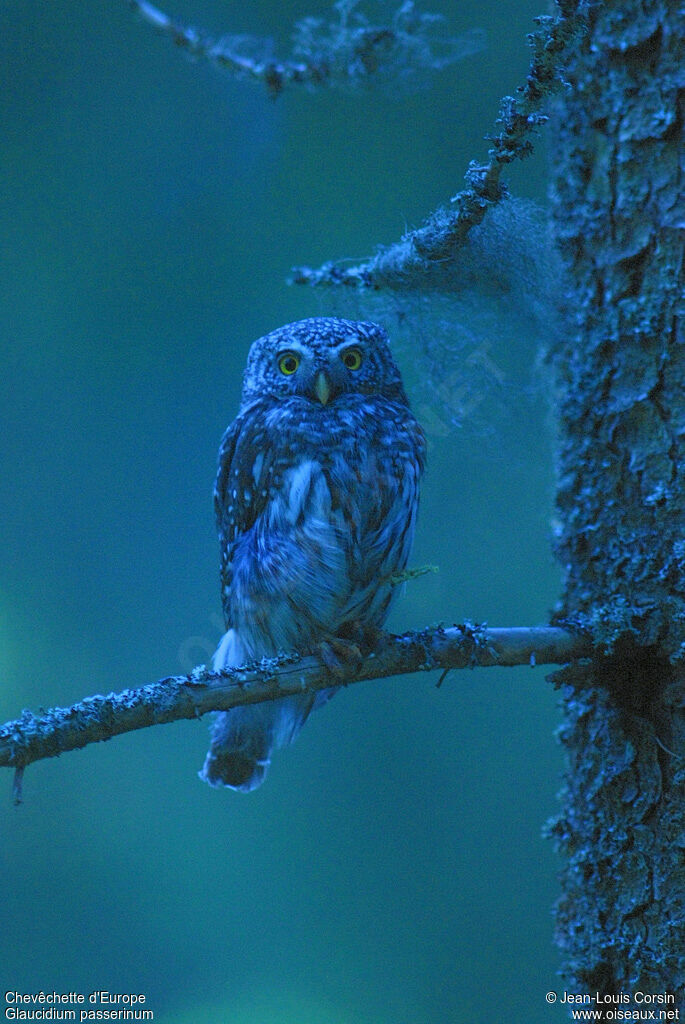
[316,499]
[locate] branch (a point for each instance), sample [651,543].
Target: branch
[422,257]
[32,737]
[343,51]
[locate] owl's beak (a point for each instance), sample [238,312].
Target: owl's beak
[322,388]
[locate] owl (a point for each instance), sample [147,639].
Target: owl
[316,498]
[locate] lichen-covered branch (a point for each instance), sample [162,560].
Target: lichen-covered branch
[345,50]
[422,257]
[34,737]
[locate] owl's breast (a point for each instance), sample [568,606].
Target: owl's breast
[290,571]
[336,522]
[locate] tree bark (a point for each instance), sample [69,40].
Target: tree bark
[619,218]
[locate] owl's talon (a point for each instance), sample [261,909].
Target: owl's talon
[342,658]
[371,638]
[365,636]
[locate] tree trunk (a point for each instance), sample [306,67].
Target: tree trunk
[619,220]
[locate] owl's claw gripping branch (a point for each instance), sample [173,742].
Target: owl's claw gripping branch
[341,657]
[34,737]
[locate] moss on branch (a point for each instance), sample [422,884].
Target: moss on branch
[34,737]
[346,49]
[424,258]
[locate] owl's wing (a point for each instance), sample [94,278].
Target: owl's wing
[242,485]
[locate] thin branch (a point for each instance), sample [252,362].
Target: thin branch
[427,251]
[33,737]
[346,50]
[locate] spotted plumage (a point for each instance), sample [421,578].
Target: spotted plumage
[315,498]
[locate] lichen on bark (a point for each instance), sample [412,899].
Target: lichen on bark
[619,221]
[618,211]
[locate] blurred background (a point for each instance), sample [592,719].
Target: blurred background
[392,869]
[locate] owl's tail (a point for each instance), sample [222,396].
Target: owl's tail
[240,750]
[242,739]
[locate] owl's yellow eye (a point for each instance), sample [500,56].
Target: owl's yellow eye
[352,358]
[288,362]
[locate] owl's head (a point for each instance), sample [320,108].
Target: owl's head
[320,359]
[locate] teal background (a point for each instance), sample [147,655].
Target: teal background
[392,868]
